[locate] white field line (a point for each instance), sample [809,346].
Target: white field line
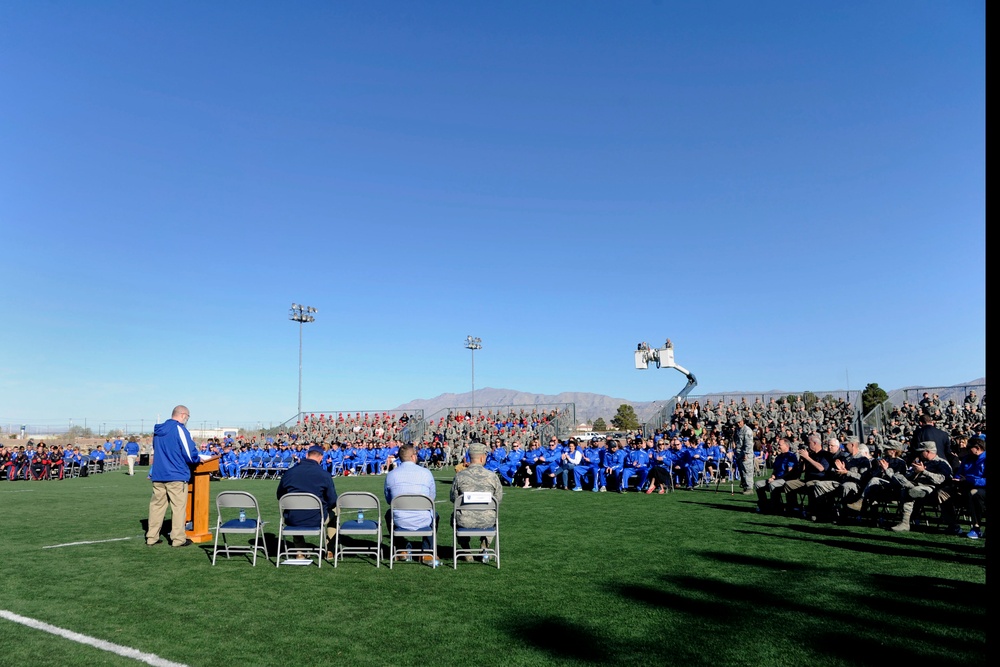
[74,544]
[18,491]
[124,651]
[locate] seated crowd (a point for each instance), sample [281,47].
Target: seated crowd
[38,462]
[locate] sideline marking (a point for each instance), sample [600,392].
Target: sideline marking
[73,544]
[124,651]
[18,491]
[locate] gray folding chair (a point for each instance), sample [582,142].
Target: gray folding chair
[469,503]
[355,507]
[419,503]
[251,525]
[301,501]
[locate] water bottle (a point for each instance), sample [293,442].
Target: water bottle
[243,515]
[361,516]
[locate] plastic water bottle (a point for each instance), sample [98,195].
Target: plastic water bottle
[361,516]
[243,515]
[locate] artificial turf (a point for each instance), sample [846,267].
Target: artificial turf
[688,578]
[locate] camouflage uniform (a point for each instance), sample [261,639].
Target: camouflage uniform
[476,478]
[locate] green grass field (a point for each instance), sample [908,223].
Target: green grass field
[689,578]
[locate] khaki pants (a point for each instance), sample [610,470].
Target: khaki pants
[175,494]
[131,464]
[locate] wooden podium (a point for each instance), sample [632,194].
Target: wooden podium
[197,504]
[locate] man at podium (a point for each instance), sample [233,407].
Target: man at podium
[174,453]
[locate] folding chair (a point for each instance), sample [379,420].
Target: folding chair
[352,523]
[413,502]
[251,525]
[300,501]
[255,467]
[470,503]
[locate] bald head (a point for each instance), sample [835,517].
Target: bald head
[181,414]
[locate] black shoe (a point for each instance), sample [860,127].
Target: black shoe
[187,543]
[153,544]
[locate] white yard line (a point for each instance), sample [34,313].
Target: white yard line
[124,651]
[74,544]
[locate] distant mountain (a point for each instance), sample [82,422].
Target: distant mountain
[591,406]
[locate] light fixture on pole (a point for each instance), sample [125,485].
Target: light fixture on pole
[301,314]
[473,344]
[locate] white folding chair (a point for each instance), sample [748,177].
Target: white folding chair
[300,501]
[353,523]
[469,503]
[251,525]
[413,502]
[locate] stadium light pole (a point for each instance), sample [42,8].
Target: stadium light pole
[473,344]
[301,314]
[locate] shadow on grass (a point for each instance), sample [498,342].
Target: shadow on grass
[889,620]
[890,546]
[742,508]
[769,563]
[562,639]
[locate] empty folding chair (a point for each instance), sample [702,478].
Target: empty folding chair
[246,522]
[355,507]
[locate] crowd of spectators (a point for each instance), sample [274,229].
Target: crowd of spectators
[40,462]
[959,421]
[787,416]
[892,478]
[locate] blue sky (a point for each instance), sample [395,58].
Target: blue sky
[793,192]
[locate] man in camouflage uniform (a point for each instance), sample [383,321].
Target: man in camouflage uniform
[476,478]
[743,452]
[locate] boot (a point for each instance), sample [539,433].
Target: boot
[904,524]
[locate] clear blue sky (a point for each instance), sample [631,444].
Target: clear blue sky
[794,192]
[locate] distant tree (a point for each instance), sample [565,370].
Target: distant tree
[810,399]
[872,395]
[790,399]
[625,419]
[600,425]
[78,431]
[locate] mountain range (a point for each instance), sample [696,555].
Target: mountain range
[591,406]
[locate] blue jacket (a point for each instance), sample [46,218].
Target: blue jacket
[174,452]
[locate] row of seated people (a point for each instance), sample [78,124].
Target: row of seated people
[777,413]
[902,422]
[349,428]
[849,484]
[270,461]
[384,428]
[765,433]
[40,462]
[602,464]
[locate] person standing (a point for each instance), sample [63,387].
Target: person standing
[131,453]
[175,454]
[743,451]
